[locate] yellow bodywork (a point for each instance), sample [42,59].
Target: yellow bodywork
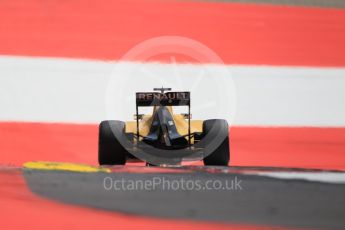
[179,120]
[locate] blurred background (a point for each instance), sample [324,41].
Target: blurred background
[275,69]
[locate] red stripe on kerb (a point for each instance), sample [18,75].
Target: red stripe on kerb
[239,33]
[321,148]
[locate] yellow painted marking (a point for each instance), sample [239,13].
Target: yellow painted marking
[43,165]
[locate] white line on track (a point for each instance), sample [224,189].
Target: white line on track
[67,90]
[325,177]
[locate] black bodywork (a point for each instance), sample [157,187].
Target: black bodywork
[163,132]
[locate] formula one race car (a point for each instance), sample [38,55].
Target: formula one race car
[163,137]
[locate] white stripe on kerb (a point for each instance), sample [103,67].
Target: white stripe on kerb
[66,90]
[325,177]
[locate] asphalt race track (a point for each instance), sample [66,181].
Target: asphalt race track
[255,200]
[310,3]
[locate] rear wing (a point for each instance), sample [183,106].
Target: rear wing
[144,99]
[162,99]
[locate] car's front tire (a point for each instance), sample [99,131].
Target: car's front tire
[110,150]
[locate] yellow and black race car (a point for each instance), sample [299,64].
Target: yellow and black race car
[163,137]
